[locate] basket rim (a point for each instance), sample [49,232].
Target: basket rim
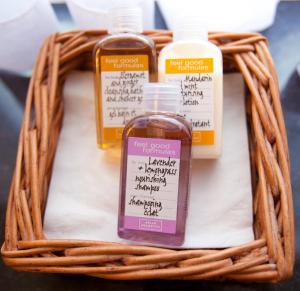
[270,257]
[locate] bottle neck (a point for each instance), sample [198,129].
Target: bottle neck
[161,97]
[180,35]
[190,28]
[126,19]
[125,28]
[161,106]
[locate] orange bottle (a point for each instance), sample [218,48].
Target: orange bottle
[124,61]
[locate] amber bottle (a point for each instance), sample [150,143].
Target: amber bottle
[124,61]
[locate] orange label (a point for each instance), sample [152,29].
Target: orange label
[124,63]
[185,66]
[203,137]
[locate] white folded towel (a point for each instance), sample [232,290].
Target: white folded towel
[84,190]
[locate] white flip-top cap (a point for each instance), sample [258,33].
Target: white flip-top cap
[190,28]
[126,19]
[161,97]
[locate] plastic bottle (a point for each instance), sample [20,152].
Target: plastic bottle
[195,64]
[124,61]
[155,170]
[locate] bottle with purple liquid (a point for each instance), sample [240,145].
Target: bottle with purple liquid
[155,170]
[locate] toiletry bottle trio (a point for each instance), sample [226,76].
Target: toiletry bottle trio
[160,125]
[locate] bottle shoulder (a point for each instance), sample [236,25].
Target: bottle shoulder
[191,48]
[163,121]
[122,39]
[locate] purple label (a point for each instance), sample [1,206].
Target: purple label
[154,147]
[152,179]
[150,224]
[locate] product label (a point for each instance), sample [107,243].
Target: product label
[122,79]
[195,77]
[152,184]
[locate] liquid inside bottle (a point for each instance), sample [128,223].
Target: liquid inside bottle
[124,61]
[195,64]
[155,170]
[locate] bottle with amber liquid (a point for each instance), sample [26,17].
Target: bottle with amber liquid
[155,170]
[124,60]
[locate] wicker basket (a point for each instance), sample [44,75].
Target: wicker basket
[270,257]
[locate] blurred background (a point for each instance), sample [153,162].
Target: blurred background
[24,24]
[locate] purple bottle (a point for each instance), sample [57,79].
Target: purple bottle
[155,170]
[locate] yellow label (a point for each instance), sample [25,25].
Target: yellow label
[124,63]
[185,66]
[122,79]
[203,137]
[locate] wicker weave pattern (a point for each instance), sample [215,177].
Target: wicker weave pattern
[270,257]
